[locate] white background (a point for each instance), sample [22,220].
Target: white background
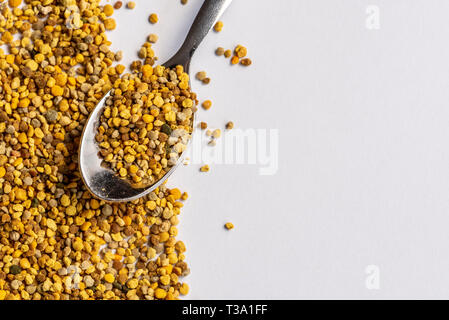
[363,173]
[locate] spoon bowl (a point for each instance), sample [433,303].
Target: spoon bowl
[101,181]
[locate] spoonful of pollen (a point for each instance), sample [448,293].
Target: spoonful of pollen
[136,136]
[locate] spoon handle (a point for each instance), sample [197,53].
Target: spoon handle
[206,18]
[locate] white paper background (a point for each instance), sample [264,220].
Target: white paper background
[363,173]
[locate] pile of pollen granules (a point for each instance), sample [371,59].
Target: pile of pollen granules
[56,240]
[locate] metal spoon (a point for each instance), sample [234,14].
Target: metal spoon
[103,182]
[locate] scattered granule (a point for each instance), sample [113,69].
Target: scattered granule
[218,26]
[216,133]
[184,1]
[229,226]
[206,81]
[246,62]
[230,125]
[228,53]
[119,68]
[57,91]
[131,5]
[201,75]
[118,5]
[176,193]
[203,125]
[118,56]
[110,24]
[7,37]
[153,18]
[160,293]
[240,51]
[108,10]
[142,54]
[220,51]
[207,104]
[109,278]
[184,290]
[14,3]
[234,60]
[152,38]
[205,168]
